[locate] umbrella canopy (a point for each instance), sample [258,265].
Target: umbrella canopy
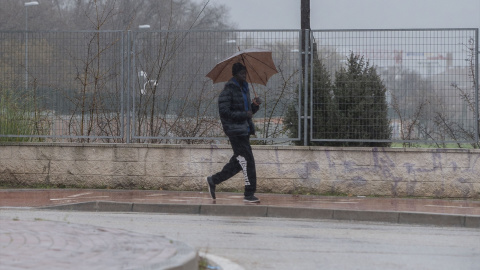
[259,64]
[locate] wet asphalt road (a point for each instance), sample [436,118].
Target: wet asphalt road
[281,244]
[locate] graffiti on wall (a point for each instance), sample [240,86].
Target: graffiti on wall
[436,173]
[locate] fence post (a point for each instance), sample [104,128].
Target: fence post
[311,55]
[306,54]
[129,86]
[477,54]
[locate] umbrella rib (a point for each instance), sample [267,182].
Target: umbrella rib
[257,75]
[248,74]
[256,58]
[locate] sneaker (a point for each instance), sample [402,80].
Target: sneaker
[251,199]
[211,187]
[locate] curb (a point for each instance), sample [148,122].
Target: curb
[186,258]
[417,218]
[220,263]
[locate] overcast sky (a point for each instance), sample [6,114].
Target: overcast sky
[354,14]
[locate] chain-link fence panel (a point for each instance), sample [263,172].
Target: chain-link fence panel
[374,87]
[174,102]
[364,87]
[61,86]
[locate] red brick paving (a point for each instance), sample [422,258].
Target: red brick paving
[38,198]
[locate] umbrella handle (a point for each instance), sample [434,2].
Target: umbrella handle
[253,88]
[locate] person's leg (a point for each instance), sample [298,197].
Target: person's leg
[247,162]
[242,160]
[232,167]
[229,170]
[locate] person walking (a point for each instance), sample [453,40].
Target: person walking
[236,111]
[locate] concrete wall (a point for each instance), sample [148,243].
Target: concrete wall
[314,170]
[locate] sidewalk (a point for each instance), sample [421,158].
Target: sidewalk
[439,212]
[59,245]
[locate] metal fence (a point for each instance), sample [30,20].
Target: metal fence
[430,80]
[150,86]
[172,99]
[63,86]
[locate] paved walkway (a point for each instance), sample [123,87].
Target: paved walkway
[61,197]
[57,245]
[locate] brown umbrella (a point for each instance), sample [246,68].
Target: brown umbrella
[259,64]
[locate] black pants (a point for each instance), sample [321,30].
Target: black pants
[242,160]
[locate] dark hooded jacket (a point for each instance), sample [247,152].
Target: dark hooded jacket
[232,111]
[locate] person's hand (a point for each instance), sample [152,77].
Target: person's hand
[257,101]
[249,114]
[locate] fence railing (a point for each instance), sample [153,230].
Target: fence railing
[173,101]
[150,86]
[430,79]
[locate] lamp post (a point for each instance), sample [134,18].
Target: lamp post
[144,27]
[132,106]
[142,73]
[28,4]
